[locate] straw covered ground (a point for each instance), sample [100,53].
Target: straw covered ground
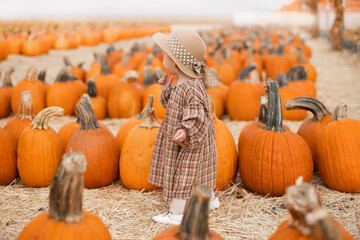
[242,215]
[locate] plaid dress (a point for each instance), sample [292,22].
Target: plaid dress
[179,167]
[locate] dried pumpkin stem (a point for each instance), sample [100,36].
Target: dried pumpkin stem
[41,120]
[275,119]
[67,61]
[41,76]
[245,72]
[150,120]
[194,224]
[340,112]
[92,88]
[66,190]
[313,105]
[264,108]
[26,106]
[105,69]
[292,72]
[304,205]
[146,109]
[7,78]
[282,80]
[86,114]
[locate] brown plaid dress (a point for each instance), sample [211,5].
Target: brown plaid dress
[179,167]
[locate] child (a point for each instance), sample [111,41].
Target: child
[184,154]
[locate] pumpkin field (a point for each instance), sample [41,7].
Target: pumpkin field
[80,111]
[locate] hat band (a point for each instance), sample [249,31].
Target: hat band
[183,55]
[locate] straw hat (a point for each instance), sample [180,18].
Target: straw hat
[186,48]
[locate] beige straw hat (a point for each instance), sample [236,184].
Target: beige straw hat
[186,48]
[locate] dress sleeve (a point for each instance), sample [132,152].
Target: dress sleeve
[194,121]
[165,95]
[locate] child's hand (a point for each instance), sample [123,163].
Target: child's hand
[165,82]
[179,136]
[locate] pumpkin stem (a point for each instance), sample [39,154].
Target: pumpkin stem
[275,119]
[25,107]
[264,109]
[86,113]
[245,72]
[150,119]
[301,56]
[80,65]
[304,206]
[105,69]
[299,71]
[211,107]
[282,80]
[340,112]
[63,75]
[41,120]
[67,61]
[158,73]
[130,76]
[41,75]
[194,224]
[313,105]
[66,191]
[92,88]
[110,49]
[149,105]
[7,77]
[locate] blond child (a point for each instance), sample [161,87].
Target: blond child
[184,154]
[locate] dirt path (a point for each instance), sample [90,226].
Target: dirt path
[242,215]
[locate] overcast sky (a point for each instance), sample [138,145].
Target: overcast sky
[31,9]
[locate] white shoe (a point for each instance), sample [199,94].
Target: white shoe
[214,204]
[168,218]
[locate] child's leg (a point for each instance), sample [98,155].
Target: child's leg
[177,206]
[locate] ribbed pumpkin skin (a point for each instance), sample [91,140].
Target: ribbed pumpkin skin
[242,101]
[227,164]
[169,234]
[99,106]
[104,84]
[39,155]
[338,151]
[37,90]
[125,129]
[43,228]
[274,65]
[291,233]
[135,159]
[271,161]
[124,101]
[15,126]
[64,95]
[102,155]
[5,106]
[7,158]
[154,90]
[67,130]
[226,73]
[309,131]
[287,93]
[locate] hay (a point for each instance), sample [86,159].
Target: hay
[242,215]
[127,213]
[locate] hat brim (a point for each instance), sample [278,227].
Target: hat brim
[160,40]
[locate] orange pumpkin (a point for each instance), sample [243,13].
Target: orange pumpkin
[225,71]
[39,150]
[227,164]
[113,56]
[7,158]
[62,93]
[98,103]
[311,128]
[194,224]
[288,92]
[95,67]
[147,68]
[337,152]
[124,99]
[266,155]
[41,77]
[98,145]
[121,67]
[297,78]
[155,91]
[79,72]
[65,218]
[276,63]
[36,87]
[23,118]
[135,159]
[309,220]
[105,81]
[242,98]
[5,100]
